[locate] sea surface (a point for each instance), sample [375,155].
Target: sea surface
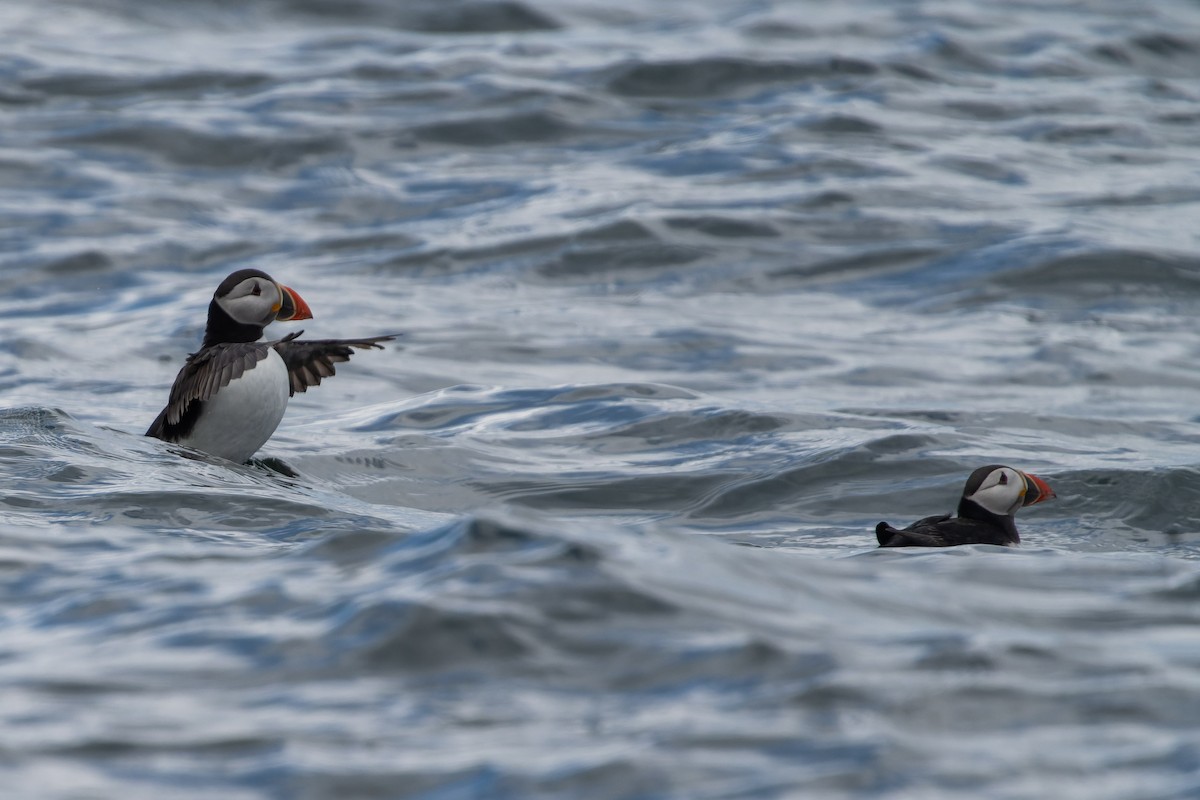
[691,295]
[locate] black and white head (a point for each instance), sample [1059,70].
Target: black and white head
[1001,490]
[246,302]
[252,297]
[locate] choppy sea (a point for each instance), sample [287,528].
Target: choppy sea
[692,295]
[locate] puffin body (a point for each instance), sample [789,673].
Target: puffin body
[990,498]
[239,418]
[232,393]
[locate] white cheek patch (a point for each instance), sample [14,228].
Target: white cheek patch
[249,309]
[999,498]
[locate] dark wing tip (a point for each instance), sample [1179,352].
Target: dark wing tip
[156,427]
[308,362]
[373,342]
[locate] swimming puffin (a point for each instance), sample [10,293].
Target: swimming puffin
[231,393]
[985,512]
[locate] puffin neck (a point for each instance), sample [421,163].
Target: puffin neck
[972,510]
[223,328]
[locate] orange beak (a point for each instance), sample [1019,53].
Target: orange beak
[293,305]
[1036,490]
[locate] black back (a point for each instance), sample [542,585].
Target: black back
[948,531]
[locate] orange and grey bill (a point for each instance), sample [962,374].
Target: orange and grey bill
[1036,489]
[292,305]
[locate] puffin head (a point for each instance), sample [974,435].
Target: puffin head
[1001,490]
[252,297]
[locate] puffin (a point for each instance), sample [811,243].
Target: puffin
[230,394]
[989,500]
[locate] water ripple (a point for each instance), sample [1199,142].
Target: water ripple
[692,297]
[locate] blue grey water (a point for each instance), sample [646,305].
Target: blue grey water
[692,295]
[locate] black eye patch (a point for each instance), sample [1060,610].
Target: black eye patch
[1003,479]
[257,290]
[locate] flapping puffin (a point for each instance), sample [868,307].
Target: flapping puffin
[231,394]
[985,512]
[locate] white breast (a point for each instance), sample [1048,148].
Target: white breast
[241,416]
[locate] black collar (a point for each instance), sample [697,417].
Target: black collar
[972,510]
[223,328]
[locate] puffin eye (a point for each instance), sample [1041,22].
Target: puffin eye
[256,291]
[1003,478]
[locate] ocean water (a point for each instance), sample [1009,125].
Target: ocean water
[692,295]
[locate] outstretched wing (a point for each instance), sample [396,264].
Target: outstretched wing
[202,375]
[310,361]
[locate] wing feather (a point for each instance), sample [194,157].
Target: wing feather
[202,376]
[309,362]
[205,372]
